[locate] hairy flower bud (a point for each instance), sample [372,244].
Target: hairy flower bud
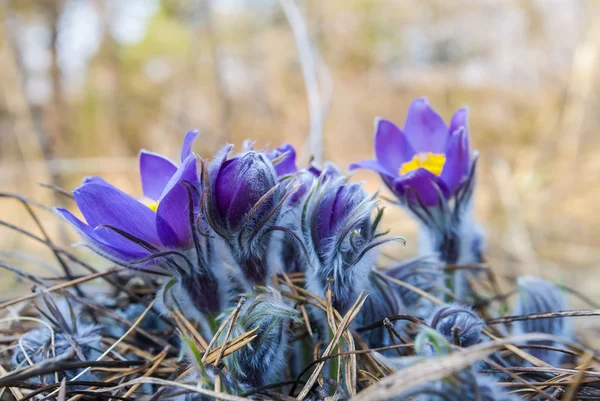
[339,234]
[423,273]
[536,296]
[63,336]
[242,206]
[263,360]
[458,324]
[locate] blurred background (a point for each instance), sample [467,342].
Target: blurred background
[84,84]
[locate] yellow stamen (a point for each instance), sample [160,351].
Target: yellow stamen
[153,205]
[432,162]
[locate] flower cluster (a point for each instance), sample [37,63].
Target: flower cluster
[255,224]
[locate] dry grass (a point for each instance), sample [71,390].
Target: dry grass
[527,70]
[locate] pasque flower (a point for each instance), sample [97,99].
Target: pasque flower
[536,296]
[283,159]
[263,360]
[242,205]
[128,230]
[157,232]
[430,167]
[63,336]
[424,273]
[340,234]
[427,159]
[458,324]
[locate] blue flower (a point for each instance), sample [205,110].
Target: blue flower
[339,234]
[131,231]
[158,232]
[242,206]
[430,168]
[283,159]
[458,324]
[426,159]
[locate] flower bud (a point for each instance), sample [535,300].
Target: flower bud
[240,184]
[424,273]
[69,339]
[458,324]
[339,235]
[263,360]
[242,207]
[536,296]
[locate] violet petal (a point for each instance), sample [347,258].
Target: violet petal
[155,171]
[424,128]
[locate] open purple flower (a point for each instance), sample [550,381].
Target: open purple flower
[157,232]
[157,170]
[426,159]
[429,166]
[127,230]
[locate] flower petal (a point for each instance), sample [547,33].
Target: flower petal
[187,171]
[217,164]
[188,141]
[459,119]
[421,183]
[287,159]
[103,204]
[458,160]
[424,128]
[173,217]
[392,148]
[241,184]
[330,170]
[372,165]
[155,171]
[126,252]
[95,179]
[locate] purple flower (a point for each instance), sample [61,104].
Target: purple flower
[458,324]
[157,170]
[157,231]
[427,158]
[242,206]
[128,230]
[339,233]
[329,171]
[238,189]
[283,159]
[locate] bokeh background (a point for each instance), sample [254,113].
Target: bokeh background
[84,84]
